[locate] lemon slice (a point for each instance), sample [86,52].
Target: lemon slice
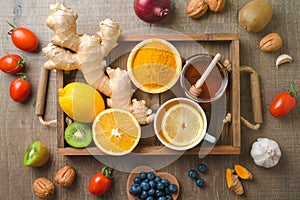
[182,125]
[116,131]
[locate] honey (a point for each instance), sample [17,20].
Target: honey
[214,85]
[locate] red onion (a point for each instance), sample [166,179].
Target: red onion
[151,11]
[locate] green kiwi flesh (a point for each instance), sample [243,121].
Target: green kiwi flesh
[36,154]
[78,135]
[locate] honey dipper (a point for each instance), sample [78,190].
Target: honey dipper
[196,89]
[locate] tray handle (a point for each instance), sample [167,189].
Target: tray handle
[41,97]
[255,95]
[256,100]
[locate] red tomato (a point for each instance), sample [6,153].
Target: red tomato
[19,89]
[283,103]
[23,38]
[100,182]
[11,63]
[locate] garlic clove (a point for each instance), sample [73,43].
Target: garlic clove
[284,58]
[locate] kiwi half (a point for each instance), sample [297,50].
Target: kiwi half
[36,154]
[78,135]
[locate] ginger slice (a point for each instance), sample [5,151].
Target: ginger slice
[242,172]
[233,182]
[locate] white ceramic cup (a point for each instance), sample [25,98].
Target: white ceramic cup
[201,135]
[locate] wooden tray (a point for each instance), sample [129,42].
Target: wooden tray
[227,44]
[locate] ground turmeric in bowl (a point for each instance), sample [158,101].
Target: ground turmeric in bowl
[154,65]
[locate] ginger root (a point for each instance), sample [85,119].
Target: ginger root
[242,172]
[233,182]
[69,51]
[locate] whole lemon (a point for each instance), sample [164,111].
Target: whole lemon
[80,101]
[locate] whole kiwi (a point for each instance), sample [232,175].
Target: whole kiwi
[255,16]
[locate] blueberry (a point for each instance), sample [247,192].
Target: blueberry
[135,189]
[159,193]
[192,174]
[160,185]
[167,190]
[143,195]
[169,197]
[157,179]
[145,186]
[151,192]
[150,198]
[200,182]
[137,180]
[201,168]
[143,175]
[150,175]
[162,198]
[152,183]
[165,182]
[173,188]
[131,191]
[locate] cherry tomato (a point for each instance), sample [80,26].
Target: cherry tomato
[23,38]
[101,181]
[283,103]
[11,63]
[19,89]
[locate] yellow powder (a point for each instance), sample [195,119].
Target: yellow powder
[154,65]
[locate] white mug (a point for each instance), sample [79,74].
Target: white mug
[201,135]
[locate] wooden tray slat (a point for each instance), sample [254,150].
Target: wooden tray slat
[181,37]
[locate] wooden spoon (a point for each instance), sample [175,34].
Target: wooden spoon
[135,172]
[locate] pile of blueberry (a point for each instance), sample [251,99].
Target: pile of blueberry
[148,186]
[194,175]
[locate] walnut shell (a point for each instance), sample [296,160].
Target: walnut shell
[216,5]
[196,8]
[270,42]
[65,176]
[43,188]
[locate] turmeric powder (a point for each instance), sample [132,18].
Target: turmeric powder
[155,65]
[155,53]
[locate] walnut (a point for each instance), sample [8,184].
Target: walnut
[196,8]
[65,176]
[270,42]
[216,5]
[43,188]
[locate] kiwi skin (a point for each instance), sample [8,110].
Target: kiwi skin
[255,16]
[78,135]
[36,154]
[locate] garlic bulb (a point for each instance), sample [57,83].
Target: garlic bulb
[265,152]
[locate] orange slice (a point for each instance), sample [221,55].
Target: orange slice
[182,125]
[116,131]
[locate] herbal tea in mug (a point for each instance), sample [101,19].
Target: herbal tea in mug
[181,124]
